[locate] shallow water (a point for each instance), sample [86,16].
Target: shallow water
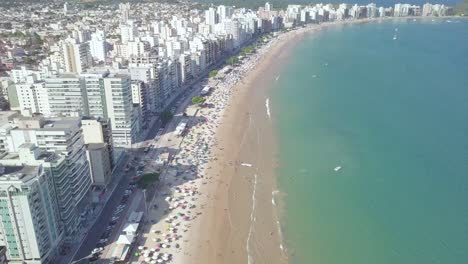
[394,115]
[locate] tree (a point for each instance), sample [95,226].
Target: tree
[461,9]
[166,116]
[213,73]
[4,104]
[198,100]
[232,60]
[147,179]
[37,39]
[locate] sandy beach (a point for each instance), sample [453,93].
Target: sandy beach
[222,203]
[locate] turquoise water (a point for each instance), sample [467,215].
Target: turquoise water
[394,115]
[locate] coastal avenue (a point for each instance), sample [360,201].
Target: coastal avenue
[165,141]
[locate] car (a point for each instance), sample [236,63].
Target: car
[101,244]
[106,235]
[109,228]
[103,240]
[112,223]
[115,218]
[97,250]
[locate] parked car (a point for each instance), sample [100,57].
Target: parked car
[97,250]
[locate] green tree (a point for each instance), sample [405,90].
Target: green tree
[232,60]
[213,73]
[461,9]
[147,179]
[166,116]
[19,34]
[198,100]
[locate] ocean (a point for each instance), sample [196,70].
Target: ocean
[394,115]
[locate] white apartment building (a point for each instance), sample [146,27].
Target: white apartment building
[128,32]
[118,100]
[33,98]
[66,95]
[97,45]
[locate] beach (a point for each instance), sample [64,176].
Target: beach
[222,204]
[241,218]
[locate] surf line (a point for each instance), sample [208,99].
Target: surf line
[278,225]
[267,105]
[252,220]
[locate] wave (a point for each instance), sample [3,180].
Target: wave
[267,104]
[252,220]
[278,225]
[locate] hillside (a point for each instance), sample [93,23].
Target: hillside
[462,8]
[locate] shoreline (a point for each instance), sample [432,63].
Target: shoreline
[233,221]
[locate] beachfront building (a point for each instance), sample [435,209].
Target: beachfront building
[70,170]
[119,107]
[31,228]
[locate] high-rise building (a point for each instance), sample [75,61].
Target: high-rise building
[211,16]
[33,98]
[224,12]
[109,96]
[76,56]
[124,11]
[128,32]
[119,106]
[427,9]
[31,228]
[98,45]
[70,171]
[66,95]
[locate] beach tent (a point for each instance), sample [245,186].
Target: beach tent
[130,228]
[125,239]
